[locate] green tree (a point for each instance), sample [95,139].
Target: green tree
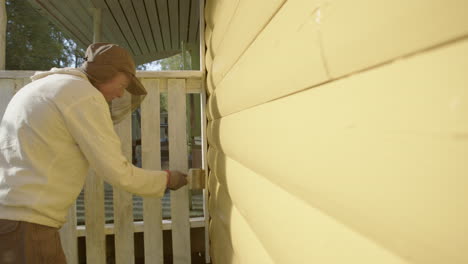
[174,63]
[180,62]
[34,43]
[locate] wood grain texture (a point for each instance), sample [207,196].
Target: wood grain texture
[123,204]
[178,160]
[94,219]
[151,159]
[69,238]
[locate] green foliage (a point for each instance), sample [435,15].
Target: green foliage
[34,43]
[175,63]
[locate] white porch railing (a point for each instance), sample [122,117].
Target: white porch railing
[177,85]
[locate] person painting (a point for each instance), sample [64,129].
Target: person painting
[55,129]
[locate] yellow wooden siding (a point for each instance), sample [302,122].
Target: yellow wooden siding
[283,59]
[233,233]
[244,26]
[323,168]
[359,34]
[291,230]
[224,12]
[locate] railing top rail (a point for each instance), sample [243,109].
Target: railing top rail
[139,74]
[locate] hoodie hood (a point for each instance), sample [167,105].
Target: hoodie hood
[120,108]
[70,71]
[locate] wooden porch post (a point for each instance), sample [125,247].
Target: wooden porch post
[3,28]
[97,25]
[94,195]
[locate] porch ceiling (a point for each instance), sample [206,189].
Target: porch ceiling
[149,29]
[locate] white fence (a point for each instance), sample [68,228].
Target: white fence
[177,85]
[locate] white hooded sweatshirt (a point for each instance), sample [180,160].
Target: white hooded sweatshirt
[53,130]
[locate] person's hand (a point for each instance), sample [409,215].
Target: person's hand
[176,179]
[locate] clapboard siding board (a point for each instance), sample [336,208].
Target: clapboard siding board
[246,24]
[151,160]
[207,35]
[233,236]
[384,135]
[222,249]
[328,240]
[245,240]
[123,204]
[284,59]
[223,15]
[209,10]
[360,34]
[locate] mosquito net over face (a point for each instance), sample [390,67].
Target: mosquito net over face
[102,62]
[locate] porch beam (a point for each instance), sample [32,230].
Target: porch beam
[97,25]
[3,28]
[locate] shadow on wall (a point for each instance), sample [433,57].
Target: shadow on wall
[219,201]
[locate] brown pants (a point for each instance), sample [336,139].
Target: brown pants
[25,243]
